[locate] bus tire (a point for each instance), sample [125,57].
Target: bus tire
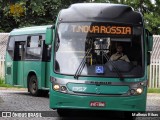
[33,86]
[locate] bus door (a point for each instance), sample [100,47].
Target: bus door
[47,65]
[19,57]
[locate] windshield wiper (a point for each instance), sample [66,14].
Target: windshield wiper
[114,66]
[81,65]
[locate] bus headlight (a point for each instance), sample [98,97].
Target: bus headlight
[139,90]
[56,87]
[136,91]
[59,88]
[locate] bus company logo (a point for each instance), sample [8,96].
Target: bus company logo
[6,114]
[16,9]
[99,83]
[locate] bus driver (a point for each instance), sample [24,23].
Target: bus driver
[119,55]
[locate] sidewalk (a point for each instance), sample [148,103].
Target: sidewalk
[12,88]
[1,100]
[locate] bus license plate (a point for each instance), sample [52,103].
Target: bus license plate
[97,104]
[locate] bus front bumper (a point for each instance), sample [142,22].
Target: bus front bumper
[67,101]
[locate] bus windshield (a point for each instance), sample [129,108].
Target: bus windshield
[114,50]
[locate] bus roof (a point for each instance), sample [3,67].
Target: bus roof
[30,30]
[101,12]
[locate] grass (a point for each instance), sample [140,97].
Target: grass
[1,81]
[153,90]
[2,84]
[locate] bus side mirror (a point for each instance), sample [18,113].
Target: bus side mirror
[149,40]
[49,35]
[148,58]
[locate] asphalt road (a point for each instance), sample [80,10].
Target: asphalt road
[12,100]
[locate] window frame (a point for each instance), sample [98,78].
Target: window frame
[9,39]
[41,52]
[25,47]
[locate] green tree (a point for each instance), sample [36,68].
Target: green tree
[35,12]
[40,12]
[150,11]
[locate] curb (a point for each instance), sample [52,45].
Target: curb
[17,89]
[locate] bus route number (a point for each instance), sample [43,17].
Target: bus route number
[80,89]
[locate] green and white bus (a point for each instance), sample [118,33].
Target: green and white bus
[82,75]
[28,59]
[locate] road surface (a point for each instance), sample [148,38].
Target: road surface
[13,100]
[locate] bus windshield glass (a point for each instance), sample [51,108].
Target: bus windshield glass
[99,49]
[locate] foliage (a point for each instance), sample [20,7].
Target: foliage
[1,80]
[2,84]
[153,90]
[150,11]
[21,13]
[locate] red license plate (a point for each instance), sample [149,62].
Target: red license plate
[97,104]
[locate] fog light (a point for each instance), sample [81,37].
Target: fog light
[56,87]
[139,90]
[132,91]
[63,88]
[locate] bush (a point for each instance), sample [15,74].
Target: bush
[2,81]
[153,90]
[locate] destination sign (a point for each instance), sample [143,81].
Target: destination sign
[102,29]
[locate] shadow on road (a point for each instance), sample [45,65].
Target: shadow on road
[43,94]
[92,115]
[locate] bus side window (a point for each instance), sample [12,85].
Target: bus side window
[28,41]
[46,49]
[33,48]
[46,52]
[10,47]
[40,41]
[19,49]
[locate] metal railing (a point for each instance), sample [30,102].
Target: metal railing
[2,66]
[3,44]
[154,70]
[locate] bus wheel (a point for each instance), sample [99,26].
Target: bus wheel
[33,86]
